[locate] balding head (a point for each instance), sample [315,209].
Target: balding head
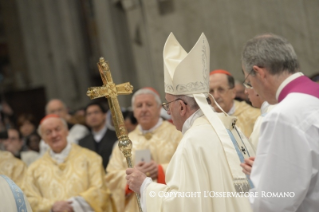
[54,132]
[221,86]
[56,106]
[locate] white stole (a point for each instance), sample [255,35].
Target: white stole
[220,122]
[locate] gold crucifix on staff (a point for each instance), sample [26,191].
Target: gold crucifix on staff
[110,91]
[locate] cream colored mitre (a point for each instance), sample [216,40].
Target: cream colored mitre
[186,73]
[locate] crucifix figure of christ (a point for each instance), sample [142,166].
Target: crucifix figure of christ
[111,91]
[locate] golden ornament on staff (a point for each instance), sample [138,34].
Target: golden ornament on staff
[110,91]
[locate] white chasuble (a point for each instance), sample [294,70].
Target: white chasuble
[199,167]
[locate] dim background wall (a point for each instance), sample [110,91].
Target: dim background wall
[55,44]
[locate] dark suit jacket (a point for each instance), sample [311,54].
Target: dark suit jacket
[105,145]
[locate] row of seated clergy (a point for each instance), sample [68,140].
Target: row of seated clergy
[153,133]
[62,172]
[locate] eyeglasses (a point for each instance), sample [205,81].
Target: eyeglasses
[166,105]
[247,84]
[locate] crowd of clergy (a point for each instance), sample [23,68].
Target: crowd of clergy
[206,135]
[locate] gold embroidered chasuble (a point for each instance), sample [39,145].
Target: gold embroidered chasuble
[162,145]
[12,167]
[81,174]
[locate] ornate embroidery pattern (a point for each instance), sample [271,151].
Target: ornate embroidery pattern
[195,85]
[18,195]
[169,88]
[191,86]
[205,70]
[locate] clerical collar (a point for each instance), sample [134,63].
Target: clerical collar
[149,133]
[264,107]
[159,122]
[286,82]
[99,135]
[60,157]
[189,122]
[232,109]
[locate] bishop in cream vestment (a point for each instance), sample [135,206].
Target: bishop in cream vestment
[162,145]
[81,174]
[67,177]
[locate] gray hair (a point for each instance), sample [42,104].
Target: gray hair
[146,91]
[47,105]
[189,100]
[63,121]
[272,52]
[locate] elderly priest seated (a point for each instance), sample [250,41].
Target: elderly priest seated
[67,177]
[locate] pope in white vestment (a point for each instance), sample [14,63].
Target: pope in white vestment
[199,169]
[204,172]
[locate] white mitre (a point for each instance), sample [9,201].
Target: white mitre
[188,74]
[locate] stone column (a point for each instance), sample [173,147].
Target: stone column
[55,49]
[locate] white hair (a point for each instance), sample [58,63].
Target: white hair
[63,121]
[146,91]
